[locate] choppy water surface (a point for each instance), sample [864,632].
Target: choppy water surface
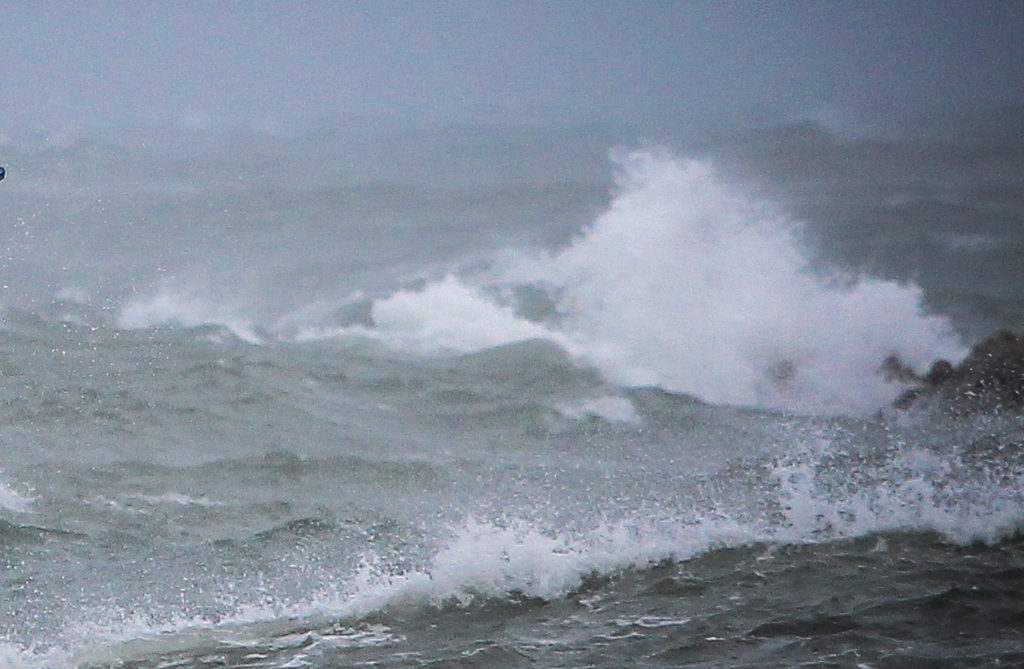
[496,414]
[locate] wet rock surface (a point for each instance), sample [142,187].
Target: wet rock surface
[990,378]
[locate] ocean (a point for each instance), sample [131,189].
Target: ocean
[507,396]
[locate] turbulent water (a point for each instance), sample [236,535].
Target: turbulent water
[505,397]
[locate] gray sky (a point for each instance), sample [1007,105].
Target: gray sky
[86,62]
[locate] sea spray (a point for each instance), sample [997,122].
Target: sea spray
[684,282]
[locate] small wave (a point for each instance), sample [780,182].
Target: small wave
[515,561]
[450,316]
[187,306]
[481,562]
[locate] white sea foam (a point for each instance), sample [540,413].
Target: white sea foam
[143,503]
[174,498]
[12,500]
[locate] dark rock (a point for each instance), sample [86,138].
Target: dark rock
[896,370]
[990,378]
[940,372]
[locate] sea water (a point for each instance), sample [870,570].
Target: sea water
[494,396]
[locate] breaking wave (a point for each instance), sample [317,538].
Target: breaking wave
[683,283]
